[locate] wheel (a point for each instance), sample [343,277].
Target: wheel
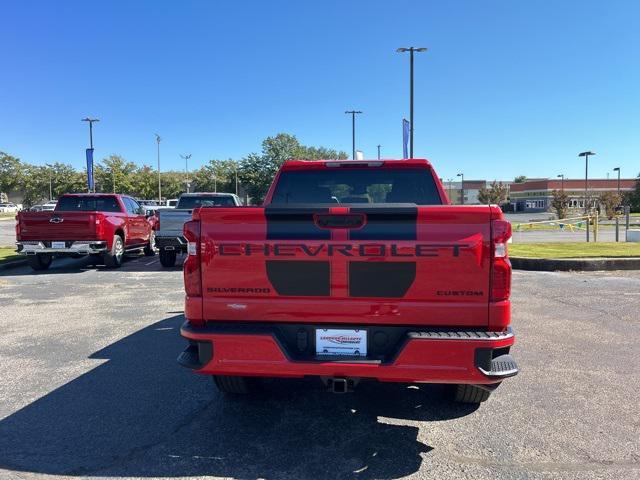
[235,385]
[167,257]
[40,261]
[150,248]
[470,394]
[113,259]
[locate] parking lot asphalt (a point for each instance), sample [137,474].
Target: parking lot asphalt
[90,388]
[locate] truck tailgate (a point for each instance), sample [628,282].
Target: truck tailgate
[172,221]
[402,265]
[57,225]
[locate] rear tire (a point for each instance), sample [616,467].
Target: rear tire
[150,248]
[113,259]
[168,258]
[235,385]
[470,394]
[40,261]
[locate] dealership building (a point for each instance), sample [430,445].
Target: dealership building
[535,194]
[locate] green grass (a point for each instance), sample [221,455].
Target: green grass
[574,250]
[7,254]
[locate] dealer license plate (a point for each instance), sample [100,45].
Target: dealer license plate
[58,245]
[334,341]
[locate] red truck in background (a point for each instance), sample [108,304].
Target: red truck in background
[101,225]
[351,270]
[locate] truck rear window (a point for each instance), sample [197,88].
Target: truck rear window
[361,185]
[197,202]
[87,204]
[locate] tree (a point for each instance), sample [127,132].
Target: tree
[64,179]
[256,173]
[145,183]
[495,194]
[520,179]
[34,184]
[610,201]
[116,169]
[217,175]
[560,203]
[10,172]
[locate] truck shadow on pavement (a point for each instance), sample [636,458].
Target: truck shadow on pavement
[131,263]
[140,414]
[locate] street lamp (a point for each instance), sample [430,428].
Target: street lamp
[586,176]
[158,139]
[461,188]
[353,114]
[379,151]
[617,169]
[90,120]
[586,184]
[186,169]
[561,177]
[411,50]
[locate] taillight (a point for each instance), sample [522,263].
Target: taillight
[500,264]
[192,271]
[18,227]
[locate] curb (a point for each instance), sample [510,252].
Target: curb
[575,264]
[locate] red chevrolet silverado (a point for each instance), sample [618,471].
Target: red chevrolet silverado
[351,270]
[101,225]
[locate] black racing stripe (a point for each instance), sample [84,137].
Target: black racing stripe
[299,278]
[381,279]
[383,223]
[295,223]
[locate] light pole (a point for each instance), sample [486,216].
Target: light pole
[411,50]
[353,114]
[91,120]
[449,180]
[561,177]
[158,139]
[617,169]
[586,184]
[113,172]
[235,168]
[186,169]
[379,151]
[461,188]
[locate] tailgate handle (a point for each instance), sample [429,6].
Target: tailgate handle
[56,220]
[333,220]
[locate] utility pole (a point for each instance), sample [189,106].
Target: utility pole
[461,188]
[353,114]
[586,185]
[379,151]
[91,120]
[411,50]
[158,139]
[186,169]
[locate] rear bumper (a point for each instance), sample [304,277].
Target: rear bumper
[80,247]
[176,242]
[431,356]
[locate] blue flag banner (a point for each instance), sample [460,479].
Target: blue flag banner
[406,127]
[90,183]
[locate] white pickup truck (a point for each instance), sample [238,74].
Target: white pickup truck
[169,239]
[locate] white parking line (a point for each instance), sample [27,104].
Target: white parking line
[151,263]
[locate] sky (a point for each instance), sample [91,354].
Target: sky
[506,88]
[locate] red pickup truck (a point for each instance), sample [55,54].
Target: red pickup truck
[101,225]
[351,270]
